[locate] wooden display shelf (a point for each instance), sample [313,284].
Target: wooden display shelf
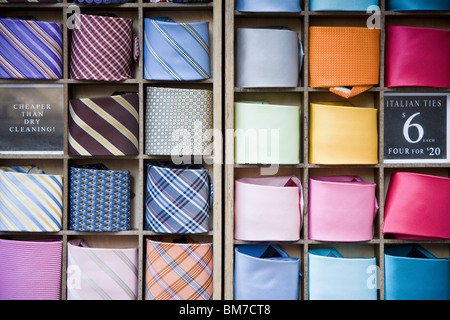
[60,164]
[302,96]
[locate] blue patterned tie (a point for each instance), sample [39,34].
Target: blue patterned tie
[176,51]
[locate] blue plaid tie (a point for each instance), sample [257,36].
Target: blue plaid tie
[176,51]
[177,199]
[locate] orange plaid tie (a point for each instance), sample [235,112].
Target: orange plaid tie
[178,271]
[344,59]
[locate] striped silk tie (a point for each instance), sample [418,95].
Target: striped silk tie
[30,201]
[30,49]
[177,199]
[101,273]
[102,48]
[178,271]
[176,51]
[104,126]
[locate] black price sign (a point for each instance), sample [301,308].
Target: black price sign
[416,127]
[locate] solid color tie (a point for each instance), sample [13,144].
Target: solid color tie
[265,272]
[101,273]
[30,270]
[417,57]
[30,49]
[178,271]
[348,212]
[267,133]
[100,199]
[30,200]
[268,209]
[346,72]
[176,51]
[412,5]
[104,126]
[413,273]
[345,5]
[178,121]
[343,134]
[268,57]
[102,48]
[177,199]
[417,207]
[333,277]
[268,6]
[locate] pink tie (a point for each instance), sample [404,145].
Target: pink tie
[341,208]
[268,209]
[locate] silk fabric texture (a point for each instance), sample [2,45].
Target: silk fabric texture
[30,270]
[403,264]
[334,277]
[267,133]
[341,208]
[346,72]
[417,57]
[342,134]
[101,273]
[268,57]
[268,6]
[268,209]
[265,272]
[413,5]
[30,200]
[417,207]
[342,5]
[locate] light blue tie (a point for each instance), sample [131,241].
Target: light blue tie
[176,51]
[411,5]
[333,277]
[344,5]
[268,6]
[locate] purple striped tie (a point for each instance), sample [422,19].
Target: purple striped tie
[30,49]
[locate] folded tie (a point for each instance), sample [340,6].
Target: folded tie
[102,48]
[101,273]
[265,272]
[104,125]
[413,273]
[417,57]
[345,5]
[343,134]
[417,207]
[267,133]
[333,277]
[100,199]
[177,199]
[178,271]
[30,270]
[407,5]
[268,6]
[341,208]
[178,121]
[268,57]
[176,51]
[30,200]
[30,49]
[345,59]
[99,2]
[268,209]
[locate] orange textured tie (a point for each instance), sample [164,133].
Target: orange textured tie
[344,59]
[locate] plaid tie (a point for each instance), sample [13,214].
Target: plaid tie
[177,199]
[178,271]
[30,49]
[99,199]
[178,121]
[102,48]
[104,125]
[30,200]
[101,273]
[176,51]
